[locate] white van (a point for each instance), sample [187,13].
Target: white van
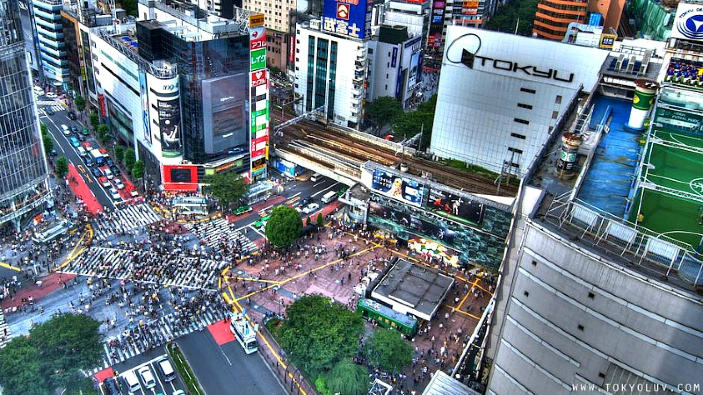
[314,177]
[329,197]
[132,381]
[167,369]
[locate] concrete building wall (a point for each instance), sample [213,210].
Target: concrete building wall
[277,12]
[572,317]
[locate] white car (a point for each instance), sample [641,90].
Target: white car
[66,130]
[108,174]
[118,183]
[310,208]
[51,95]
[114,194]
[147,377]
[133,193]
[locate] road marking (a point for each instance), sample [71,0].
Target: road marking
[8,266]
[156,374]
[324,190]
[256,230]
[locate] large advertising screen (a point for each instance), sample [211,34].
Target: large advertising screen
[170,125]
[347,17]
[397,187]
[434,38]
[224,113]
[455,207]
[144,94]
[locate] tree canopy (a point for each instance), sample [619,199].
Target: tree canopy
[79,101]
[94,119]
[514,13]
[318,333]
[103,132]
[227,188]
[52,357]
[129,159]
[138,169]
[48,142]
[383,110]
[388,350]
[411,123]
[284,226]
[61,168]
[347,378]
[119,153]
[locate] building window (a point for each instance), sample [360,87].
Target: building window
[526,90]
[519,136]
[580,327]
[591,295]
[555,114]
[515,150]
[522,121]
[527,294]
[522,105]
[558,99]
[534,263]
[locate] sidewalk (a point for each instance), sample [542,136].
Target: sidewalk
[49,284]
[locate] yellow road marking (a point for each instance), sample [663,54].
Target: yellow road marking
[458,307]
[8,266]
[75,254]
[463,312]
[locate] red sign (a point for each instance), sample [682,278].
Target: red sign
[257,37]
[180,177]
[258,78]
[343,11]
[258,146]
[291,49]
[101,102]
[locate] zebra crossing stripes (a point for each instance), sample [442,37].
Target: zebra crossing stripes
[215,232]
[125,219]
[148,267]
[163,330]
[55,108]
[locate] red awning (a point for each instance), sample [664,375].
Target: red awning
[104,374]
[180,186]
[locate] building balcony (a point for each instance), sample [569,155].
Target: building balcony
[47,15]
[359,66]
[52,52]
[50,5]
[47,33]
[49,25]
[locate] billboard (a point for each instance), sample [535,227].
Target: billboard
[397,187]
[258,59]
[224,112]
[347,17]
[688,23]
[144,94]
[257,38]
[258,122]
[256,20]
[455,207]
[180,177]
[434,37]
[170,124]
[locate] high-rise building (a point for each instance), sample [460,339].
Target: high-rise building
[51,45]
[552,17]
[23,172]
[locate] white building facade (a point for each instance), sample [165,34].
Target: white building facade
[394,67]
[331,71]
[51,45]
[497,109]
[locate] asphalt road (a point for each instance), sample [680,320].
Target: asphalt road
[227,369]
[64,148]
[150,358]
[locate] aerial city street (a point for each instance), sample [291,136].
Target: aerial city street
[351,197]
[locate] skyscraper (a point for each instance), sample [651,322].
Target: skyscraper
[23,174]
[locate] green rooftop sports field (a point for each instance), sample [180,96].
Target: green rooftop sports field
[672,196]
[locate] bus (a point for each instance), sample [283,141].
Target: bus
[387,317]
[244,333]
[329,197]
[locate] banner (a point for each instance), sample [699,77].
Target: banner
[170,125]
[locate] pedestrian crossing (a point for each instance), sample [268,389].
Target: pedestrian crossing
[55,108]
[167,269]
[167,328]
[219,232]
[124,220]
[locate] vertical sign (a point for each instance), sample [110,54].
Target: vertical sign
[434,38]
[144,94]
[258,98]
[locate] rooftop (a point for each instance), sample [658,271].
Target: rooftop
[420,289]
[193,24]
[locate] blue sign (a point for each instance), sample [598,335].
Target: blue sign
[347,17]
[394,58]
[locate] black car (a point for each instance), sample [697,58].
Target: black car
[80,137]
[306,201]
[111,387]
[72,115]
[96,172]
[109,162]
[88,160]
[49,111]
[115,170]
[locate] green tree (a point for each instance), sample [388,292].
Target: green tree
[48,142]
[228,188]
[20,371]
[411,123]
[320,220]
[94,119]
[514,13]
[103,132]
[61,168]
[383,110]
[66,344]
[119,153]
[79,101]
[130,6]
[138,169]
[318,333]
[386,349]
[129,159]
[284,227]
[43,128]
[347,378]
